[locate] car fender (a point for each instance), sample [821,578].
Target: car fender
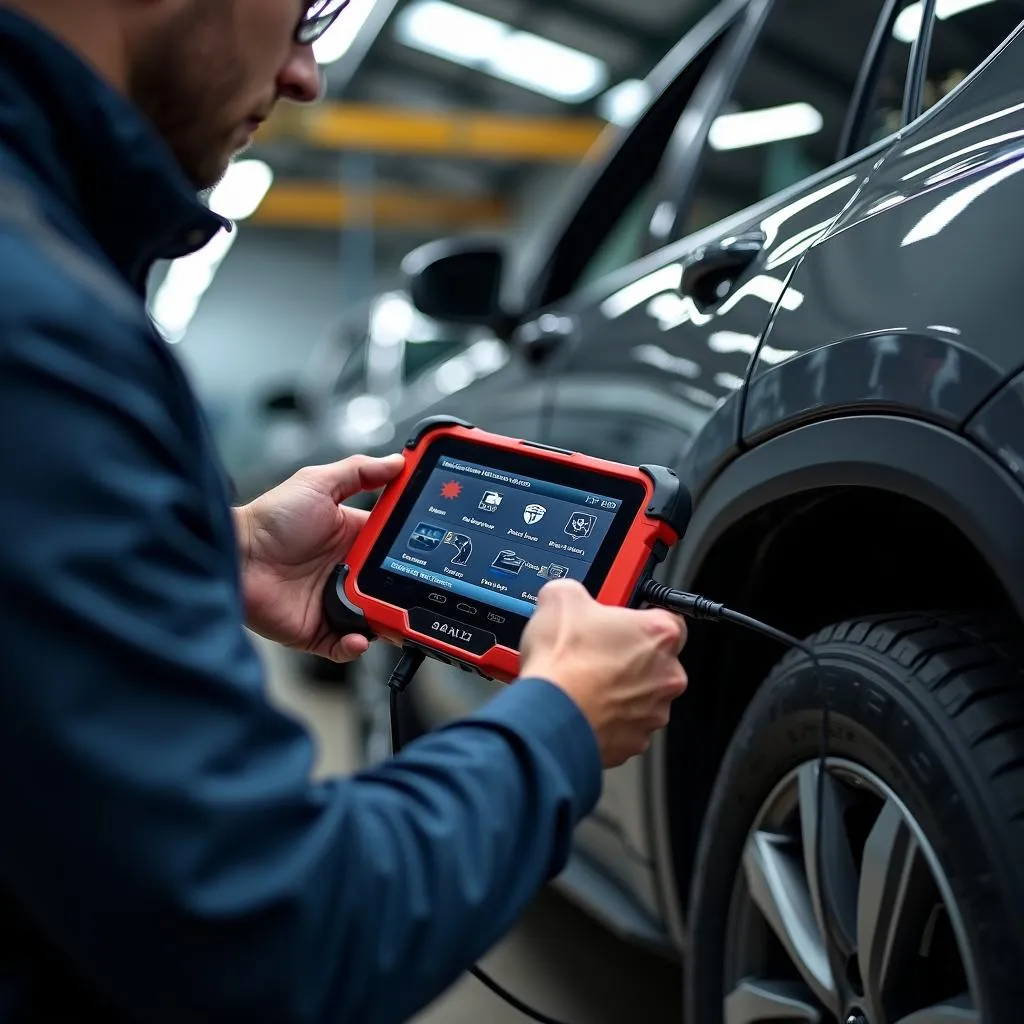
[939,468]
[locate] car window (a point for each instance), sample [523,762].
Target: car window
[883,106]
[963,35]
[353,370]
[421,354]
[622,243]
[606,231]
[418,355]
[785,117]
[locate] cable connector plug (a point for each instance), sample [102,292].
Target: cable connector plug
[693,605]
[407,667]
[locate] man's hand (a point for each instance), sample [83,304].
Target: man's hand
[291,538]
[621,666]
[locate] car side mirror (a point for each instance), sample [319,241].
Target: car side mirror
[458,281]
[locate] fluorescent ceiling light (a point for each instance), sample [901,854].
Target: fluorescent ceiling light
[758,127]
[336,41]
[548,67]
[242,189]
[391,319]
[623,103]
[451,32]
[237,196]
[185,283]
[495,48]
[908,24]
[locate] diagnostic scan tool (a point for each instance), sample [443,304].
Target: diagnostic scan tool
[458,546]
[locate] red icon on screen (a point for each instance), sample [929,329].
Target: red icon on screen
[451,489]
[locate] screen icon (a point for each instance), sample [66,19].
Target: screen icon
[554,572]
[580,525]
[508,563]
[534,513]
[490,501]
[451,489]
[425,537]
[463,546]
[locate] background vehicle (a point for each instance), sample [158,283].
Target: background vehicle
[821,334]
[383,356]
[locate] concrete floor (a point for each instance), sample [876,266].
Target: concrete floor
[556,959]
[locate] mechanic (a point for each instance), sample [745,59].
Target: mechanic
[165,855]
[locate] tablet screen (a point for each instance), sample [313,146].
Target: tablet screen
[498,537]
[479,531]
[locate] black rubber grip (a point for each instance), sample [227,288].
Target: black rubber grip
[343,618]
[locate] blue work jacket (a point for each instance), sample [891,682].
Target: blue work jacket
[164,854]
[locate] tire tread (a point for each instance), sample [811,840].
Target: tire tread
[973,664]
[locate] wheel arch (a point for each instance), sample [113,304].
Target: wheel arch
[925,517]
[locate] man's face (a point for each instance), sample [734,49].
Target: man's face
[206,72]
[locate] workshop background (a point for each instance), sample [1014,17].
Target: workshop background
[495,121]
[438,119]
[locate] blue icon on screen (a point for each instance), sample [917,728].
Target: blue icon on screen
[426,537]
[508,563]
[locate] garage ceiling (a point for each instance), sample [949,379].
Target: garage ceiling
[390,78]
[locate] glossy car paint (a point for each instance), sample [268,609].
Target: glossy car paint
[883,305]
[999,427]
[911,301]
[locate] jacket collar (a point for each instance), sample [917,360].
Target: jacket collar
[94,150]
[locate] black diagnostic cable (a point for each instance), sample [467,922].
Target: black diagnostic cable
[695,607]
[403,674]
[690,606]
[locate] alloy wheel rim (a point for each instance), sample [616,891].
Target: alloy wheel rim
[890,949]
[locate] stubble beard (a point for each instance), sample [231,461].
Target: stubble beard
[187,82]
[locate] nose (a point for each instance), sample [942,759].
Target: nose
[300,79]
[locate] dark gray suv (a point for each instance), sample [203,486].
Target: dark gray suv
[797,279]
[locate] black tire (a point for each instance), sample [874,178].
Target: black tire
[933,706]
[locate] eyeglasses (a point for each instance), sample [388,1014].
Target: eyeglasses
[319,17]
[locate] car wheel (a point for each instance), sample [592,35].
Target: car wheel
[922,821]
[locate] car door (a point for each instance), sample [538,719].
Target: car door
[925,239]
[650,351]
[653,356]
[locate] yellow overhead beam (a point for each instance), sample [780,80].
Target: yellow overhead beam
[467,134]
[292,204]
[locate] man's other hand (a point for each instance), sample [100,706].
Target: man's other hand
[621,666]
[291,538]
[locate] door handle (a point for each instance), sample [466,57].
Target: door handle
[710,273]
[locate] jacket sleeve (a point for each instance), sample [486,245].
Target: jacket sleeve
[160,825]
